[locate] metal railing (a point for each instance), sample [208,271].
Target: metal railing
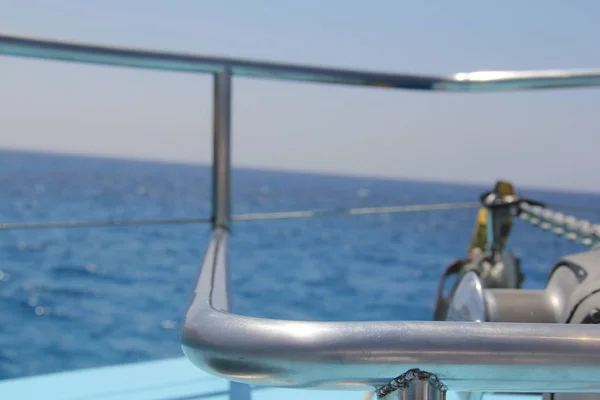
[166,61]
[348,355]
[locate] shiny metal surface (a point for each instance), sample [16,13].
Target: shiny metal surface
[521,305]
[221,190]
[20,46]
[365,355]
[221,167]
[468,303]
[418,390]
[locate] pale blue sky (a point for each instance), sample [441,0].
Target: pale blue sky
[544,138]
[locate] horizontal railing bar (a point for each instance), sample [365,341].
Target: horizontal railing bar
[20,46]
[242,217]
[465,356]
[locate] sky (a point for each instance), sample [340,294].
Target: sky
[540,138]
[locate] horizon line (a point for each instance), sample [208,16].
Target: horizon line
[323,173]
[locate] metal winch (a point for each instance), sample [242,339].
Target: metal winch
[488,284]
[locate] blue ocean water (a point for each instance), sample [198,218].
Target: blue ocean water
[74,298]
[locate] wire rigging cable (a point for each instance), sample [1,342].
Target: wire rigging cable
[266,216]
[244,217]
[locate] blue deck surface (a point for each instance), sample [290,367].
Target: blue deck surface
[172,379]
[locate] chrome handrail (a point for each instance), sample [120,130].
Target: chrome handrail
[21,46]
[465,356]
[349,355]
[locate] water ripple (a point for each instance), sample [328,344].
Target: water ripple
[89,297]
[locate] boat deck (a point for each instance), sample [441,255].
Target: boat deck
[171,379]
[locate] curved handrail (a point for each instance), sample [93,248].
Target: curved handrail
[22,46]
[349,355]
[465,356]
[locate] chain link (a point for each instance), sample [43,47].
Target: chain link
[403,381]
[562,225]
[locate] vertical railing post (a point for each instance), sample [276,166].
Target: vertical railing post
[417,390]
[221,172]
[422,390]
[414,384]
[221,179]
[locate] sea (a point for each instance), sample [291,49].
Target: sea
[75,298]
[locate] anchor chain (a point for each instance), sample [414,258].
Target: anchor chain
[561,224]
[403,382]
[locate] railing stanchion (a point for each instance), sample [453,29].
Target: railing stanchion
[221,181]
[221,178]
